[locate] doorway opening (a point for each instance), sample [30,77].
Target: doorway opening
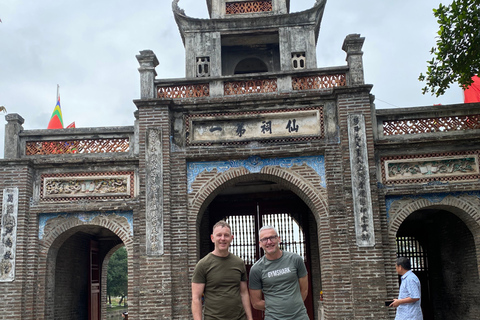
[248,212]
[76,276]
[442,251]
[117,282]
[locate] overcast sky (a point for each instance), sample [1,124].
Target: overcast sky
[88,47]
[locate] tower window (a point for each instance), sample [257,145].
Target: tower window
[203,67]
[298,60]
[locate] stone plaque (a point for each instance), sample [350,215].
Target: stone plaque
[8,238]
[154,193]
[255,126]
[86,186]
[362,201]
[433,167]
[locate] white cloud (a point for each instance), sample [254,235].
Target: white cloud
[89,48]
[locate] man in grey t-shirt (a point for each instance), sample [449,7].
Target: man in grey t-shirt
[283,279]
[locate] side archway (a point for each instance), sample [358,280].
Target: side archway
[441,236]
[66,242]
[466,208]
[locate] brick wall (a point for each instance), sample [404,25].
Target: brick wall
[19,294]
[355,280]
[153,288]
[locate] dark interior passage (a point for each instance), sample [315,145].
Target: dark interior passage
[77,276]
[248,212]
[449,273]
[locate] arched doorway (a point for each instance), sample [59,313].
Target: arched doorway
[443,254]
[247,206]
[250,65]
[75,275]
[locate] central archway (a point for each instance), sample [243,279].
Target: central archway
[248,212]
[263,197]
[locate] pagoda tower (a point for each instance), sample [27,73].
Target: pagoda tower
[249,37]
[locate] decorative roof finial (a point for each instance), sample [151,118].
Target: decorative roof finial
[176,8]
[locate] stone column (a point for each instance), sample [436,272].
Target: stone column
[13,128]
[136,134]
[148,61]
[352,45]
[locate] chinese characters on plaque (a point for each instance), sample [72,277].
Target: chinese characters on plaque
[272,125]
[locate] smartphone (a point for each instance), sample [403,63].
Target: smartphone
[389,302]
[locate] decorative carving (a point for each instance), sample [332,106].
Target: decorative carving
[176,8]
[203,67]
[248,6]
[434,167]
[393,202]
[154,193]
[76,186]
[255,164]
[298,61]
[48,221]
[362,202]
[8,236]
[431,125]
[319,82]
[185,91]
[250,86]
[77,146]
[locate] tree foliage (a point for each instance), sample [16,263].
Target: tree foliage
[117,278]
[457,51]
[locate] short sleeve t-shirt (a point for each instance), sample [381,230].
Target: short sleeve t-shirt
[278,279]
[222,277]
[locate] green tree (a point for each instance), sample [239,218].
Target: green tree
[117,278]
[457,51]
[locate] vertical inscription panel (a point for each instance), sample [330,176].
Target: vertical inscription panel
[154,193]
[362,201]
[8,237]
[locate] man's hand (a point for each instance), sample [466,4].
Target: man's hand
[397,302]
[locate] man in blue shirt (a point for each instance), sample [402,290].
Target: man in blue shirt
[408,303]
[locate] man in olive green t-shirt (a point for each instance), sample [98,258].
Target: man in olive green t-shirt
[222,278]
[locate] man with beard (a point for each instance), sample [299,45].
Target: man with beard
[283,279]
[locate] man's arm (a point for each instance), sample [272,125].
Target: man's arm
[246,299]
[256,298]
[303,286]
[197,292]
[397,302]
